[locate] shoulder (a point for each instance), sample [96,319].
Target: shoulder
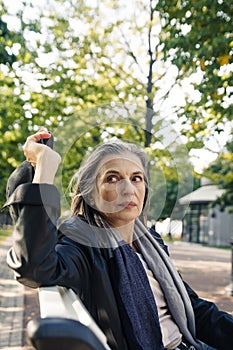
[78,230]
[76,241]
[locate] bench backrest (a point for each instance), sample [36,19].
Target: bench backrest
[61,309]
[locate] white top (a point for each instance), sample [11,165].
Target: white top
[170,332]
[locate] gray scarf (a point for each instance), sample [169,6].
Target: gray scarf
[170,282]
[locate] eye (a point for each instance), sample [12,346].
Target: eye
[112,179]
[138,178]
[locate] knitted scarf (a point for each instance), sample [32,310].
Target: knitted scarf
[136,303]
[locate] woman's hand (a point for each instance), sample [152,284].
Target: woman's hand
[44,159]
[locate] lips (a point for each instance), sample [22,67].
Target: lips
[128,205]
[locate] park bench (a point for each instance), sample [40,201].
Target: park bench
[64,323]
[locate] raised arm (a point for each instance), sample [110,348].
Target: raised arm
[37,257]
[44,159]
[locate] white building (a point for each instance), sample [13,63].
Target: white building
[204,223]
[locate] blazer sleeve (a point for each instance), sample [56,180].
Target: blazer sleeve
[37,256]
[213,327]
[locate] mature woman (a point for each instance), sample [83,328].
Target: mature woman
[105,253]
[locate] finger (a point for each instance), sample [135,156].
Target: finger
[43,134]
[44,129]
[38,136]
[29,145]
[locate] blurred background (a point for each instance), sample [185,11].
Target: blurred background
[158,73]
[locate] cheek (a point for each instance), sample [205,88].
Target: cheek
[107,193]
[106,201]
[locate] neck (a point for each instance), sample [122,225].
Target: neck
[126,232]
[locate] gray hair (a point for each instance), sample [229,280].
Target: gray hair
[85,178]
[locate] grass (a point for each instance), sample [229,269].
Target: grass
[4,233]
[174,239]
[219,247]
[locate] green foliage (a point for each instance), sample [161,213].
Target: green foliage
[198,39]
[35,92]
[5,55]
[221,173]
[10,107]
[171,177]
[64,64]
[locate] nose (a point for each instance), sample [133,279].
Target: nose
[125,187]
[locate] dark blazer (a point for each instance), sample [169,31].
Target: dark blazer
[44,255]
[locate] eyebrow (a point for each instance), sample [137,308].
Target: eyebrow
[113,171]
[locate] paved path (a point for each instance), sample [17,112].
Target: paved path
[207,270]
[11,304]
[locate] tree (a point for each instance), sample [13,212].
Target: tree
[80,57]
[197,38]
[77,57]
[11,106]
[50,78]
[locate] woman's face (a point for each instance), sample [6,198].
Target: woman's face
[120,188]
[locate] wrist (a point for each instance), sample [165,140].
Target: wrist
[46,167]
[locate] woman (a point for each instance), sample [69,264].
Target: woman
[104,252]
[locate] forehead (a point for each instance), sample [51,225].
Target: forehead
[127,161]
